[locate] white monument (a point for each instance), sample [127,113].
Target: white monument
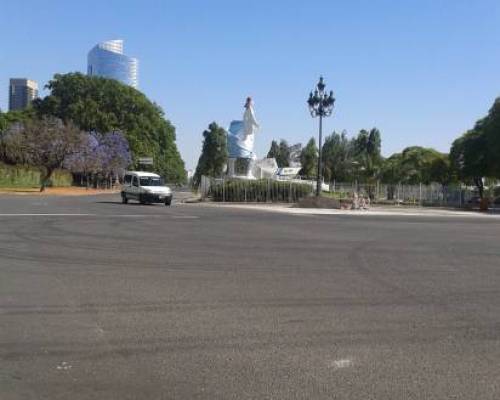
[240,141]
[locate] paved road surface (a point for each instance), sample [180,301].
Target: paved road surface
[100,300]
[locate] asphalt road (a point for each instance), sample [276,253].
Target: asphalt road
[100,300]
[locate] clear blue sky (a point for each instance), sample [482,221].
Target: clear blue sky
[422,71]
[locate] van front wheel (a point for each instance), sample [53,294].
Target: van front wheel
[124,198]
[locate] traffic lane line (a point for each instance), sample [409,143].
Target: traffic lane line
[96,215]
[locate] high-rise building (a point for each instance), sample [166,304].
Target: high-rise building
[106,59]
[21,93]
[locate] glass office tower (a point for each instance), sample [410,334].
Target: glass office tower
[106,59]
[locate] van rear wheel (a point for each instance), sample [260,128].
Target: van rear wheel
[124,198]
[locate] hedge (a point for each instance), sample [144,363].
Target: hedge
[262,190]
[26,176]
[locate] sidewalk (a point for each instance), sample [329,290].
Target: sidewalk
[373,211]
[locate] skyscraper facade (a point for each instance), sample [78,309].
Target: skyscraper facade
[21,93]
[106,59]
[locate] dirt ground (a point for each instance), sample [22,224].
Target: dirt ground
[58,191]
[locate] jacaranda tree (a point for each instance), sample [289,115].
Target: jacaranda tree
[102,157]
[98,104]
[46,143]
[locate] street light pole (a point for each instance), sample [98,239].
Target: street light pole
[319,180]
[320,105]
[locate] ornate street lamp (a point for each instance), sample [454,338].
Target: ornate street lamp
[320,105]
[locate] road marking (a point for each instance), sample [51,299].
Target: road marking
[342,363]
[64,366]
[46,215]
[419,212]
[99,215]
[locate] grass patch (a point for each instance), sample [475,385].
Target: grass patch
[26,177]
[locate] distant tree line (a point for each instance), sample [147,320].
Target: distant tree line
[50,144]
[101,125]
[474,157]
[476,154]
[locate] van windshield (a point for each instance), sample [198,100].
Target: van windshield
[150,181]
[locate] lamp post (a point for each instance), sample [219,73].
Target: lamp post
[320,105]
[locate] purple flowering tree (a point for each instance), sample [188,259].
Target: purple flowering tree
[103,157]
[45,143]
[115,154]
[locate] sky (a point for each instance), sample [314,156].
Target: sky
[421,71]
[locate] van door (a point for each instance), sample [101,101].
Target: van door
[135,189]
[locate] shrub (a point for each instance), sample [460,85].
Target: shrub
[25,176]
[259,191]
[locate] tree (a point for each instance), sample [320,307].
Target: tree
[274,150]
[416,165]
[475,155]
[469,158]
[45,143]
[280,152]
[97,104]
[105,156]
[214,153]
[11,117]
[440,170]
[489,127]
[391,172]
[366,153]
[309,159]
[283,159]
[337,157]
[115,154]
[374,145]
[360,143]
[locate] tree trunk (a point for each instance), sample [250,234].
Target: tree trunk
[480,187]
[45,179]
[390,192]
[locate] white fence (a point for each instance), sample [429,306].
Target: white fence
[379,193]
[430,195]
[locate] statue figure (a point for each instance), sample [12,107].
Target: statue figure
[240,140]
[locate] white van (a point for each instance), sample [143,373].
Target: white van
[145,187]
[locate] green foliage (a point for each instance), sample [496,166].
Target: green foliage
[262,190]
[309,159]
[469,158]
[475,155]
[416,165]
[356,159]
[391,169]
[26,176]
[45,143]
[441,170]
[280,152]
[274,151]
[7,119]
[367,159]
[105,105]
[336,156]
[283,159]
[214,153]
[487,131]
